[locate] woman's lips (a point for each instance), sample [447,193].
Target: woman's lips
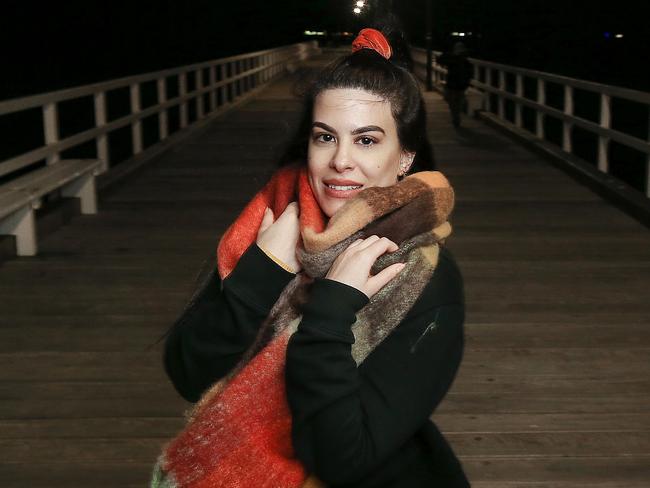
[342,188]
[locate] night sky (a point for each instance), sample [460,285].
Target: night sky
[51,45]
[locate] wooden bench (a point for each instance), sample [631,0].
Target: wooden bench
[21,196]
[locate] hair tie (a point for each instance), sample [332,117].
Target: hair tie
[372,39]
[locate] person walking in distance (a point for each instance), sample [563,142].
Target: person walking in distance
[459,76]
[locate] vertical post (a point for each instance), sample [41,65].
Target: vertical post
[245,79]
[429,39]
[502,88]
[198,74]
[605,123]
[100,122]
[487,94]
[539,116]
[223,89]
[520,94]
[647,163]
[240,82]
[182,91]
[213,92]
[567,126]
[51,127]
[162,114]
[136,126]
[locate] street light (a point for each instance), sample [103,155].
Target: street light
[357,10]
[360,3]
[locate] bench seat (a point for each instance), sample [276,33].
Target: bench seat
[21,196]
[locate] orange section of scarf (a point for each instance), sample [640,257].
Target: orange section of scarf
[287,185]
[372,39]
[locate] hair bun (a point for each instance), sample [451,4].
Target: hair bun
[372,39]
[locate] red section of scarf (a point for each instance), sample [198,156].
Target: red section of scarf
[287,185]
[243,437]
[372,39]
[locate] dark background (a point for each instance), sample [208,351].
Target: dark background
[51,45]
[46,46]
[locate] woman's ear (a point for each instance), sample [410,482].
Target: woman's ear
[405,162]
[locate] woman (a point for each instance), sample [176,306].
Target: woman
[334,326]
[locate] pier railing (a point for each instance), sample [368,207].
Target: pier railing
[202,89]
[560,110]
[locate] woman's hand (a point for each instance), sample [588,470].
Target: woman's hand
[280,237]
[352,267]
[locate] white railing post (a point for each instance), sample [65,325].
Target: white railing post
[486,96]
[603,142]
[182,91]
[246,79]
[163,128]
[502,87]
[224,88]
[136,127]
[435,73]
[240,82]
[539,117]
[647,162]
[198,75]
[51,128]
[99,99]
[566,125]
[520,94]
[213,92]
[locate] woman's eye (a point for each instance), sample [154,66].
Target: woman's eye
[366,141]
[325,138]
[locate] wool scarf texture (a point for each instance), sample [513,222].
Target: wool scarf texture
[239,433]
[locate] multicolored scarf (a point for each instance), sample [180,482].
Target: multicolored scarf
[239,433]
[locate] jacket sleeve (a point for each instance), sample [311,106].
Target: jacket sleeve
[347,420]
[211,336]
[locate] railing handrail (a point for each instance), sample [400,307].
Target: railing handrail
[602,128]
[237,75]
[30,101]
[611,90]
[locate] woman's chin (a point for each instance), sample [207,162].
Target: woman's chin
[330,206]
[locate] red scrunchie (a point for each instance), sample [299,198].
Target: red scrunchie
[372,39]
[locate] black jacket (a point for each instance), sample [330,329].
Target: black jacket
[459,71]
[361,427]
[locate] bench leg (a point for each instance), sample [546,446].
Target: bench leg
[84,189]
[21,224]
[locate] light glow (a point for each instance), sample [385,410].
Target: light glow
[619,36]
[360,3]
[357,10]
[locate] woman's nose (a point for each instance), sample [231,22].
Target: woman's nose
[342,159]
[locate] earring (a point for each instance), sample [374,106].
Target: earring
[405,164]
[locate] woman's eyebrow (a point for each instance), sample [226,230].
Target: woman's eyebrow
[368,128]
[322,125]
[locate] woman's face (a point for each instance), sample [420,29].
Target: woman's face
[353,146]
